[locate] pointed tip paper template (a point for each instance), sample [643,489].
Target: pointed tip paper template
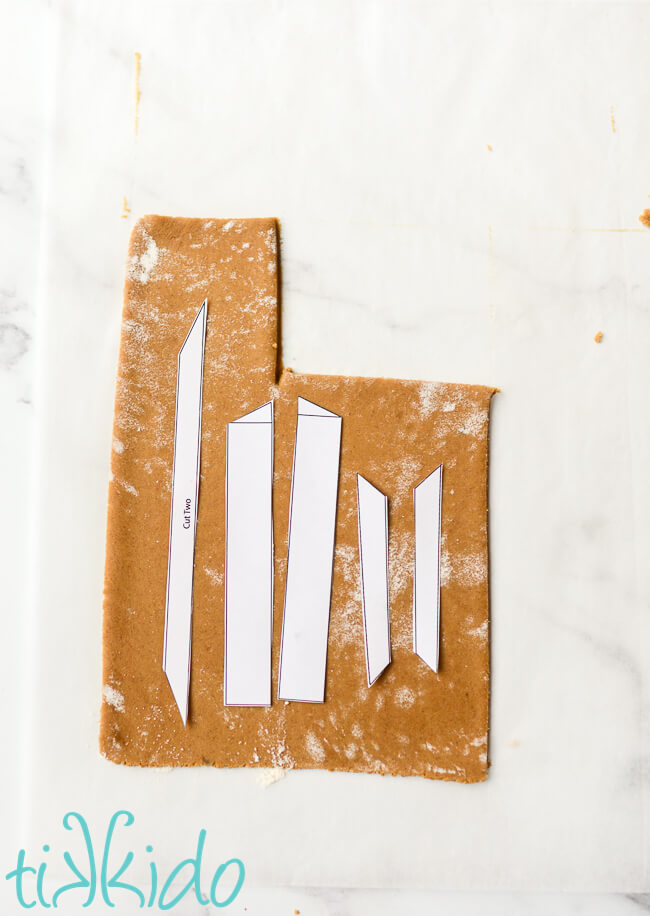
[249,559]
[372,507]
[177,647]
[312,522]
[427,503]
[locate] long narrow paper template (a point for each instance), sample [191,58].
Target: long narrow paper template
[177,647]
[249,559]
[312,522]
[427,499]
[372,507]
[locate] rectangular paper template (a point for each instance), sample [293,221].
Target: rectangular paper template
[312,523]
[249,559]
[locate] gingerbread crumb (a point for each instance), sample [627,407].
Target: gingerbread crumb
[598,336]
[645,218]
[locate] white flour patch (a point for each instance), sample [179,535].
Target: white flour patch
[346,622]
[314,747]
[163,467]
[266,778]
[474,423]
[408,473]
[436,396]
[430,395]
[479,632]
[478,742]
[118,446]
[470,569]
[214,575]
[113,697]
[142,266]
[467,569]
[445,562]
[442,771]
[400,563]
[404,696]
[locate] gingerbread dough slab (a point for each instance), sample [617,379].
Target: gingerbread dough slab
[412,721]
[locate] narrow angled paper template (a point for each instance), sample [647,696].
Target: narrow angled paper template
[427,500]
[177,648]
[312,522]
[249,559]
[372,507]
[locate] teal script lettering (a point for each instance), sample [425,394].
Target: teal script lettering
[105,883]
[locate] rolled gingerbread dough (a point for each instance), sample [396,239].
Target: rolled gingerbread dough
[411,722]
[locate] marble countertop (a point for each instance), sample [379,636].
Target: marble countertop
[510,295]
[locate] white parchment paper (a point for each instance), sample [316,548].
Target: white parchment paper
[458,186]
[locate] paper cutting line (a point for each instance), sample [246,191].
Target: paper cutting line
[427,503]
[177,646]
[249,559]
[312,522]
[372,507]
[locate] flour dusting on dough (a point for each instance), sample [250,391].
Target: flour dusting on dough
[142,266]
[470,569]
[480,632]
[446,567]
[429,394]
[400,578]
[466,569]
[214,575]
[455,414]
[346,626]
[404,696]
[314,747]
[475,423]
[436,396]
[113,697]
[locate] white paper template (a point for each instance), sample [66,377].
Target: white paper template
[249,559]
[372,507]
[427,501]
[177,649]
[312,522]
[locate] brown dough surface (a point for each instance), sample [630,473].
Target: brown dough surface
[395,432]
